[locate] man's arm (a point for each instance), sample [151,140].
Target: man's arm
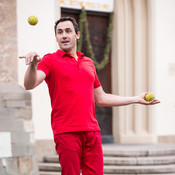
[104,99]
[33,77]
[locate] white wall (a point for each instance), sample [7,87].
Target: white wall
[41,39]
[165,65]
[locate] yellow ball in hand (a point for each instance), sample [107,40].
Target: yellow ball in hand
[149,96]
[32,20]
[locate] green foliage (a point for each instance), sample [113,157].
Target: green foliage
[83,26]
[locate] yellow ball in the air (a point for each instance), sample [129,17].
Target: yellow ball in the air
[32,20]
[149,96]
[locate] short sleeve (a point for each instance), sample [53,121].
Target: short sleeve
[97,82]
[45,65]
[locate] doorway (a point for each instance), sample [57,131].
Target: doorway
[97,25]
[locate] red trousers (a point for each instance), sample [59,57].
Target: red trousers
[80,150]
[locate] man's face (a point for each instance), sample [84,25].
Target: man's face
[66,36]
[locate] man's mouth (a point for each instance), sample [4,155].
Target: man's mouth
[65,41]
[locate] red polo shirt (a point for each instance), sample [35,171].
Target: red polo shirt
[71,86]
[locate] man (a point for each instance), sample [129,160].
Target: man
[73,88]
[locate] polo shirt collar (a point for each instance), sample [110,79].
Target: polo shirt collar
[61,53]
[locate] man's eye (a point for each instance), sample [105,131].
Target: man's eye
[59,32]
[68,31]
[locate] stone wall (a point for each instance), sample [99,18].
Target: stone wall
[166,139]
[17,155]
[8,41]
[17,147]
[45,148]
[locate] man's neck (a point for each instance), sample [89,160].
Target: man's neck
[73,53]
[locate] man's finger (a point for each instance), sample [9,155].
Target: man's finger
[155,101]
[38,58]
[27,61]
[31,58]
[21,56]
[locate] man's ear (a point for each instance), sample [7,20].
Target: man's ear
[78,35]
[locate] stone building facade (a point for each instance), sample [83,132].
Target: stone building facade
[16,127]
[133,60]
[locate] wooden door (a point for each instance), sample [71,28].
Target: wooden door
[97,24]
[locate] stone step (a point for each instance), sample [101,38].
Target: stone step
[50,173]
[152,169]
[127,159]
[163,160]
[139,161]
[159,169]
[49,167]
[59,173]
[120,150]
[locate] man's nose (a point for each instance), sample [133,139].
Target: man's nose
[64,35]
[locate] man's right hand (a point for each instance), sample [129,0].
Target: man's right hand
[33,77]
[31,57]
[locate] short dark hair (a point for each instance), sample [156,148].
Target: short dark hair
[67,18]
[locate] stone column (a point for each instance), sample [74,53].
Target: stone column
[8,41]
[17,141]
[131,71]
[17,155]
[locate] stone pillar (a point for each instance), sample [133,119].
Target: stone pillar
[8,41]
[131,71]
[17,155]
[17,141]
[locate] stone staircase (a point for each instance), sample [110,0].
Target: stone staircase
[126,159]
